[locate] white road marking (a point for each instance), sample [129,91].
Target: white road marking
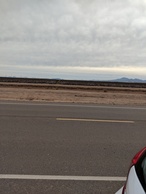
[94,120]
[59,177]
[72,105]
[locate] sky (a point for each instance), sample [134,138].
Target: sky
[73,39]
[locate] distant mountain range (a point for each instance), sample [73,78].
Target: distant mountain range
[127,80]
[44,80]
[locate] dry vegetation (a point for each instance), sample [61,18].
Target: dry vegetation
[112,95]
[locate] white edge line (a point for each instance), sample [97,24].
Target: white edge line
[70,105]
[54,177]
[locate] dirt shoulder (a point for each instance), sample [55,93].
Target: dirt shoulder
[73,94]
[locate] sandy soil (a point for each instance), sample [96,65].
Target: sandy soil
[73,94]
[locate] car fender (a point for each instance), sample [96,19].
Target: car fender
[119,191]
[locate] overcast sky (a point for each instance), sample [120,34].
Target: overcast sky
[73,39]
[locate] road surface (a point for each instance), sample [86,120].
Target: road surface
[67,148]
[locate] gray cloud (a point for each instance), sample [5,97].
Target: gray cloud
[72,33]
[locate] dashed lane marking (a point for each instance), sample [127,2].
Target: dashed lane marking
[94,120]
[59,177]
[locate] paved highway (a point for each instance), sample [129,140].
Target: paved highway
[67,148]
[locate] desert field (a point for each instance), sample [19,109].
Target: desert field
[103,95]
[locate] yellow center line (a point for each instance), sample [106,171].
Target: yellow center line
[94,120]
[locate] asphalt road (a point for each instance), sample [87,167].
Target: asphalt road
[67,142]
